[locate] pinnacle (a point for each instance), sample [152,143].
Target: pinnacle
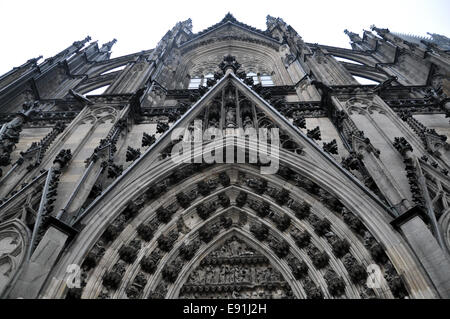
[229,17]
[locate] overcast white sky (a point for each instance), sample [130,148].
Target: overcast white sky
[45,27]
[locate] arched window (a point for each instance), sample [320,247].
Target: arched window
[254,76]
[194,83]
[206,77]
[264,79]
[198,81]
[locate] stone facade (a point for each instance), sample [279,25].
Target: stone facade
[94,203]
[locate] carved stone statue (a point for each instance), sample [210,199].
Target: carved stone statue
[230,119]
[247,123]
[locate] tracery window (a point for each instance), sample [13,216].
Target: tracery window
[198,81]
[264,79]
[194,83]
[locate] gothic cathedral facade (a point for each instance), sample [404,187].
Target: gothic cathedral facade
[123,194]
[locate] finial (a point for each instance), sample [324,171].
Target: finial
[229,63]
[349,33]
[187,24]
[34,60]
[353,36]
[80,44]
[380,31]
[108,45]
[229,17]
[270,21]
[84,100]
[440,40]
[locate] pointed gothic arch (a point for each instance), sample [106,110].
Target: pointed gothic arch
[254,56]
[122,201]
[216,243]
[121,240]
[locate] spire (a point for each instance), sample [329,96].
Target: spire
[34,60]
[108,45]
[270,22]
[74,47]
[354,37]
[381,32]
[80,44]
[187,25]
[440,40]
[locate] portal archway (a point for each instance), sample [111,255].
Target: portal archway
[130,234]
[156,188]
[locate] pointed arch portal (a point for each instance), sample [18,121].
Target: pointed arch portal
[318,228]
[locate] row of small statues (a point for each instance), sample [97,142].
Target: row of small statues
[279,293]
[226,274]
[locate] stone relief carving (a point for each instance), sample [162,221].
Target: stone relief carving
[235,270]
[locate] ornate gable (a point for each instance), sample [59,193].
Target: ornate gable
[229,29]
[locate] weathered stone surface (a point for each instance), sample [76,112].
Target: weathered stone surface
[360,172]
